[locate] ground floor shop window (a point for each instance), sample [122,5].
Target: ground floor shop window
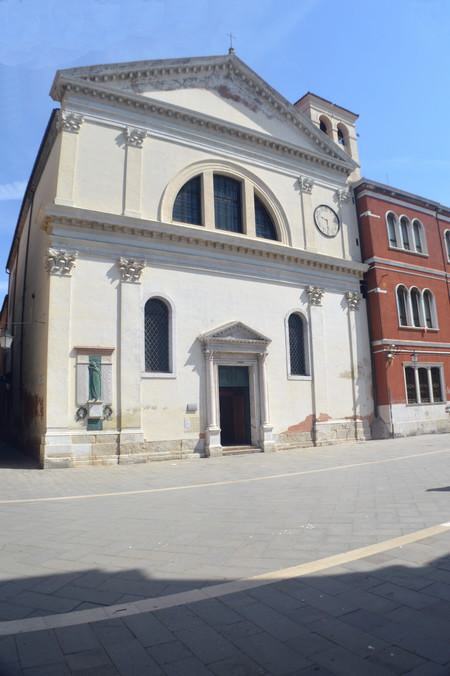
[424,384]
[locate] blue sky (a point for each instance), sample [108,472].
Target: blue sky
[387,60]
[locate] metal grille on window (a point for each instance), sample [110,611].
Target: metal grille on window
[227,203]
[188,203]
[411,393]
[436,383]
[423,385]
[297,346]
[264,224]
[156,336]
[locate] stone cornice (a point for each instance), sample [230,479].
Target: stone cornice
[199,237]
[131,101]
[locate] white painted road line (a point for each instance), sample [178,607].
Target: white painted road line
[230,482]
[78,617]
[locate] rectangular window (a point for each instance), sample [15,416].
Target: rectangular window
[424,386]
[436,383]
[411,393]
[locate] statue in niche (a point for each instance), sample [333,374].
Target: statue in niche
[95,378]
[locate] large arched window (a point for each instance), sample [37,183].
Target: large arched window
[402,303]
[415,306]
[157,338]
[264,224]
[392,233]
[297,344]
[187,207]
[404,227]
[429,309]
[227,203]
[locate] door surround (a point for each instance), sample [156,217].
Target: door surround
[235,344]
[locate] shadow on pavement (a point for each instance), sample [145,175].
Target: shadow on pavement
[12,458]
[374,616]
[444,489]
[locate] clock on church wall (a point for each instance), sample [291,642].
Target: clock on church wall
[326,220]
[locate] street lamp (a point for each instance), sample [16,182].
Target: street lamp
[390,353]
[6,339]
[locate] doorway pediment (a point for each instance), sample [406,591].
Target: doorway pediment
[236,336]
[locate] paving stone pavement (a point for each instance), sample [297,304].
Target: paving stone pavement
[384,614]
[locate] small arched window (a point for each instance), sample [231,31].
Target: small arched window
[447,243]
[157,336]
[324,125]
[188,203]
[391,222]
[402,301]
[415,306]
[297,356]
[428,307]
[265,226]
[418,237]
[404,227]
[227,203]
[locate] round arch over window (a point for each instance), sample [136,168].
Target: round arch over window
[157,336]
[404,229]
[343,136]
[256,213]
[391,220]
[325,125]
[402,305]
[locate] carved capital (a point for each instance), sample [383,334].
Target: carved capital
[315,294]
[135,137]
[130,269]
[353,299]
[306,184]
[60,262]
[70,122]
[342,196]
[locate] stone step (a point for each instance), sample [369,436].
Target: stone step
[240,450]
[293,446]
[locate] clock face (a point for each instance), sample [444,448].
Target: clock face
[326,220]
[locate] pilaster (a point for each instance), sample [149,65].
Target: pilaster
[306,184]
[212,434]
[318,359]
[134,139]
[69,124]
[267,442]
[341,197]
[130,356]
[353,299]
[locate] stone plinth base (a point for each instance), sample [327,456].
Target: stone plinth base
[340,431]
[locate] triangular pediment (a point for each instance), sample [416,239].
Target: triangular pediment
[222,88]
[234,332]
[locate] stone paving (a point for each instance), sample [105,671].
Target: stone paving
[207,521]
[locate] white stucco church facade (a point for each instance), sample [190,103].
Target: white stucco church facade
[185,272]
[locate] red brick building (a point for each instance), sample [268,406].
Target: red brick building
[405,240]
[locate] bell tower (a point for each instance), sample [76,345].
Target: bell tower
[336,122]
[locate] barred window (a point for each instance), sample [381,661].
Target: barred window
[227,203]
[411,394]
[264,224]
[436,383]
[156,336]
[424,385]
[297,357]
[188,203]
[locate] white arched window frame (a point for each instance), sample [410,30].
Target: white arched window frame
[405,233]
[171,373]
[393,230]
[251,186]
[401,291]
[447,243]
[429,309]
[419,242]
[306,347]
[416,308]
